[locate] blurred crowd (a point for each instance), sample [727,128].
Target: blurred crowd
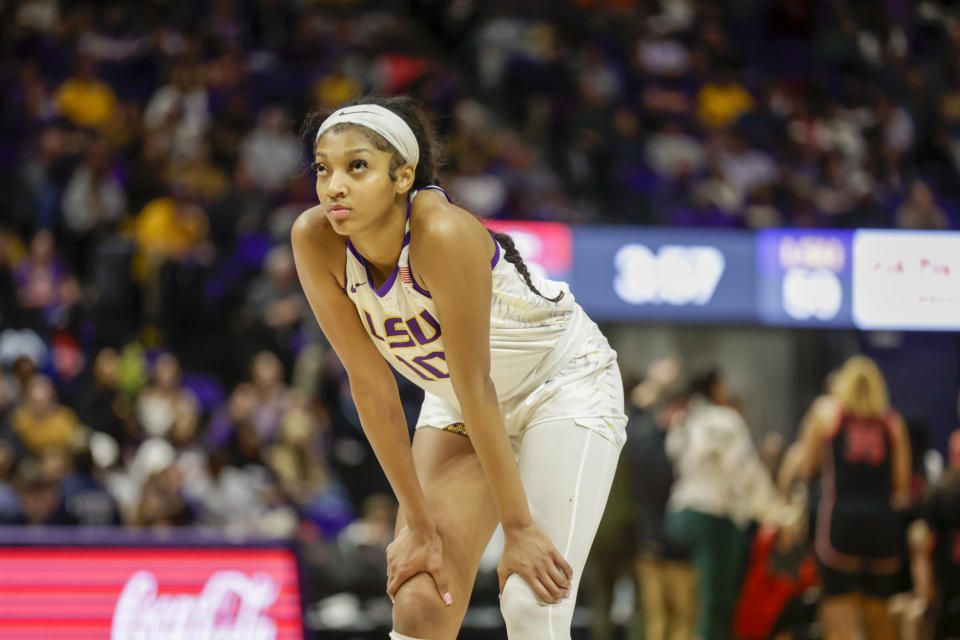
[158,364]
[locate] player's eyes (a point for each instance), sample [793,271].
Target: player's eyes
[318,167]
[358,164]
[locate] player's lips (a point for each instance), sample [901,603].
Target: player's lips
[338,211]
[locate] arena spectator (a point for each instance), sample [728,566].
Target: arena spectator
[86,498]
[198,176]
[171,228]
[272,393]
[722,100]
[271,153]
[299,460]
[8,458]
[40,421]
[672,153]
[180,110]
[666,578]
[44,284]
[238,409]
[85,99]
[93,196]
[39,499]
[920,210]
[101,405]
[160,506]
[275,303]
[160,402]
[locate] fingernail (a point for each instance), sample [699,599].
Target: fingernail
[447,598]
[568,593]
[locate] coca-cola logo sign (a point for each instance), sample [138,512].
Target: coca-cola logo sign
[149,593]
[231,606]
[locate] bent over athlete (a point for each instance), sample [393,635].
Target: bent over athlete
[522,421]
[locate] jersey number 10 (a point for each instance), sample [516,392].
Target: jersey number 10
[403,334]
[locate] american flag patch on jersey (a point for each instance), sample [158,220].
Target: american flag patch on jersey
[405,276]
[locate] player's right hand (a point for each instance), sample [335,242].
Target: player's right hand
[412,552]
[528,552]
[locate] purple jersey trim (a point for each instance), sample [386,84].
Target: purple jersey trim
[417,287]
[383,289]
[496,254]
[413,278]
[353,250]
[387,284]
[440,189]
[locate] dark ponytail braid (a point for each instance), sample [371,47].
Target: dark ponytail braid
[512,256]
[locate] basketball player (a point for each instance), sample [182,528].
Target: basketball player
[935,554]
[522,420]
[860,446]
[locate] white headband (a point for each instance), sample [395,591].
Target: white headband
[385,122]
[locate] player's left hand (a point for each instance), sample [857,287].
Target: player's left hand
[528,552]
[414,551]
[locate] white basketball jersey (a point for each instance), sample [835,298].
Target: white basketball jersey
[530,337]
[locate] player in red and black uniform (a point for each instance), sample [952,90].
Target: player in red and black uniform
[935,549]
[860,446]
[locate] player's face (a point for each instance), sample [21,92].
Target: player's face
[353,180]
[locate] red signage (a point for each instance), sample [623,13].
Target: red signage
[144,593]
[548,245]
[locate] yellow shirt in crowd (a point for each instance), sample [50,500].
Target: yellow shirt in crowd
[721,105]
[89,103]
[39,433]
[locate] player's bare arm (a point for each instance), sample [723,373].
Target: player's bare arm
[451,254]
[320,255]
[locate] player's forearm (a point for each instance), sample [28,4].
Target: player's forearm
[385,427]
[481,413]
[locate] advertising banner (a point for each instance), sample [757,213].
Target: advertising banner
[635,273]
[906,280]
[142,593]
[804,277]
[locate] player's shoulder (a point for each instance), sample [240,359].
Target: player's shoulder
[827,405]
[316,244]
[434,219]
[826,411]
[313,228]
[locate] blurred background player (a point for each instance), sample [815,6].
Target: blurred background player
[860,446]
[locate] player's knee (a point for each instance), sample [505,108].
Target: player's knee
[418,610]
[519,604]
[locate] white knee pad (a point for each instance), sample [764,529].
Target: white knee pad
[528,619]
[399,636]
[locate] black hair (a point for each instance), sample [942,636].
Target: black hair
[704,383]
[431,159]
[511,255]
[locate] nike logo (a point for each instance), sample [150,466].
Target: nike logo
[353,287]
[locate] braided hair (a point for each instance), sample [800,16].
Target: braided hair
[428,168]
[511,255]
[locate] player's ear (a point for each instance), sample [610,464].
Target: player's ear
[405,177]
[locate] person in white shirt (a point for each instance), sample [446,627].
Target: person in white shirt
[721,486]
